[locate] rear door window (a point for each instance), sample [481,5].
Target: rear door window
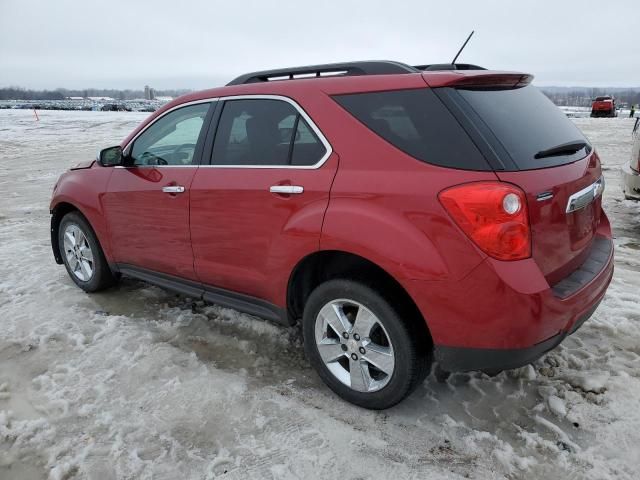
[307,149]
[417,122]
[526,123]
[265,132]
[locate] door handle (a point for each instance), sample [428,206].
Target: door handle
[173,189]
[287,189]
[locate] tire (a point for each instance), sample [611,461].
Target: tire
[396,344]
[92,274]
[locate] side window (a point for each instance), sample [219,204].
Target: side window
[418,123]
[172,139]
[397,120]
[264,132]
[307,147]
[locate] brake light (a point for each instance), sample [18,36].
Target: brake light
[497,80]
[477,79]
[494,215]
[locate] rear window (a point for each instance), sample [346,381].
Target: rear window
[526,122]
[418,123]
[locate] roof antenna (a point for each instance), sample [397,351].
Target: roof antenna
[453,62]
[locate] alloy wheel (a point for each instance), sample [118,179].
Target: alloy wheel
[354,345]
[78,252]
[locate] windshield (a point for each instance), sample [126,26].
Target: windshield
[527,123]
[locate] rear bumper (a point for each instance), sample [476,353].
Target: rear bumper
[505,315]
[456,359]
[603,113]
[631,183]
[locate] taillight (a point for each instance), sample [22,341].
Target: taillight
[494,215]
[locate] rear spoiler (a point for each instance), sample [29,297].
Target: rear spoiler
[448,66]
[477,79]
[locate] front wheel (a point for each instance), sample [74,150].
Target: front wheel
[82,255]
[361,346]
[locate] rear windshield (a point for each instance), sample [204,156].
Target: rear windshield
[602,99]
[417,122]
[526,123]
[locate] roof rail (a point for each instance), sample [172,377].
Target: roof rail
[373,67]
[449,66]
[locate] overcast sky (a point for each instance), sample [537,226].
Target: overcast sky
[197,44]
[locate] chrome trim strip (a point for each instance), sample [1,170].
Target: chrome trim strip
[173,189]
[288,189]
[311,123]
[584,197]
[158,166]
[541,197]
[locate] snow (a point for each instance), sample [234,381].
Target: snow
[557,406]
[137,382]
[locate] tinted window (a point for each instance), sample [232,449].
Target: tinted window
[264,132]
[418,123]
[525,122]
[307,148]
[172,139]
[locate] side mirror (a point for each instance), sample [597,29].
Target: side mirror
[110,157]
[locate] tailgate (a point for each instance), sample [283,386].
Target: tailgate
[536,147]
[564,211]
[602,106]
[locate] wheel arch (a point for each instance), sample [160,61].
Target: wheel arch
[57,214]
[324,265]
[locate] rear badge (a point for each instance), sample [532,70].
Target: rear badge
[585,196]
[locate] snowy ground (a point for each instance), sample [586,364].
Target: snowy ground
[139,383]
[582,112]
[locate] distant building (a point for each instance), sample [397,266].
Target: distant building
[163,98]
[149,93]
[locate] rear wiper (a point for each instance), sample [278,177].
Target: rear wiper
[563,149]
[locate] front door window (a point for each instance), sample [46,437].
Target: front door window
[172,139]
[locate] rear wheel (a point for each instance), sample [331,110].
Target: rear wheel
[360,346]
[82,255]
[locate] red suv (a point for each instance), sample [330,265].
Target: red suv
[401,214]
[604,107]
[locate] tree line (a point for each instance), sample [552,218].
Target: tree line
[583,96]
[17,93]
[563,96]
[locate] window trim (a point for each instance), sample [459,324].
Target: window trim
[205,127]
[301,112]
